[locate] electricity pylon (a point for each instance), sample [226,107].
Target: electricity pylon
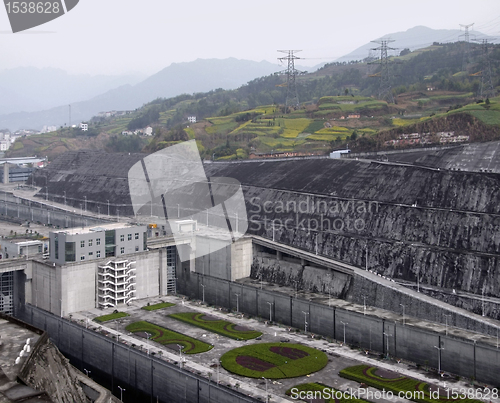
[486,90]
[292,97]
[465,60]
[385,90]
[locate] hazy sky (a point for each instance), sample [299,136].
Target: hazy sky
[120,36]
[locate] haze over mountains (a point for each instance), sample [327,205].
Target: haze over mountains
[32,98]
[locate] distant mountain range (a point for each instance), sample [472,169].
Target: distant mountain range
[29,89]
[414,38]
[32,98]
[201,75]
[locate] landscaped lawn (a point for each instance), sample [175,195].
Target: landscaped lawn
[111,316]
[274,360]
[394,382]
[165,337]
[220,326]
[160,305]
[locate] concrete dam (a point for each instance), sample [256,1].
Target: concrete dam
[432,229]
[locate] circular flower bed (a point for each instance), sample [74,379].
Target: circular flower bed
[274,360]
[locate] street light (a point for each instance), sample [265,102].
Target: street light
[403,313]
[364,304]
[180,354]
[271,311]
[439,357]
[387,335]
[267,395]
[305,321]
[446,319]
[237,302]
[344,328]
[203,288]
[148,335]
[121,392]
[85,202]
[87,372]
[108,207]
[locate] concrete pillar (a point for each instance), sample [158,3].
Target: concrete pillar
[279,255]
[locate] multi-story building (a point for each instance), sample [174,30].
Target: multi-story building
[90,243]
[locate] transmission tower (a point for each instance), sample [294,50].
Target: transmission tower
[465,60]
[292,97]
[385,90]
[486,90]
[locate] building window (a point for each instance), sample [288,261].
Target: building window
[69,252]
[136,248]
[98,253]
[136,235]
[122,250]
[129,237]
[122,238]
[98,241]
[91,253]
[82,244]
[39,248]
[90,242]
[82,257]
[56,247]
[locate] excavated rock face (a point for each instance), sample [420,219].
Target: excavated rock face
[408,222]
[442,226]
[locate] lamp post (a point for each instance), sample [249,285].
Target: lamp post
[237,302]
[108,207]
[180,355]
[98,211]
[87,372]
[439,357]
[148,335]
[446,320]
[364,304]
[203,292]
[267,395]
[305,320]
[85,203]
[270,311]
[403,313]
[344,323]
[387,335]
[64,197]
[121,392]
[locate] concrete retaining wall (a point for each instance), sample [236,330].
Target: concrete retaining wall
[144,377]
[460,356]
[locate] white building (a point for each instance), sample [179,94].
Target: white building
[192,119]
[84,127]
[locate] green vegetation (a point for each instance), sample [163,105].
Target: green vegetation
[160,305]
[327,393]
[111,316]
[274,360]
[222,327]
[165,336]
[368,375]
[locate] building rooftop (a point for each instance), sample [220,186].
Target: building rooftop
[98,228]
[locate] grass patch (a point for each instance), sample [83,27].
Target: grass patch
[165,336]
[368,375]
[222,327]
[160,305]
[111,316]
[320,392]
[314,126]
[274,360]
